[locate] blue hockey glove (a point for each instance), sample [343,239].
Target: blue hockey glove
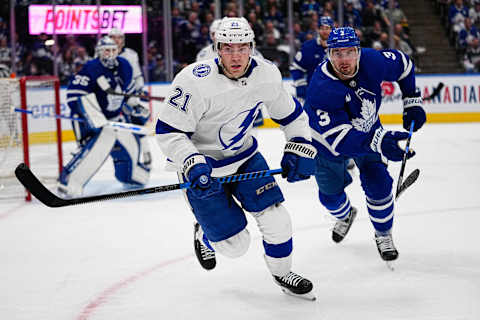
[138,112]
[413,111]
[198,171]
[386,143]
[298,162]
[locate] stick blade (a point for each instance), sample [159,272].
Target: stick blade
[32,184]
[412,177]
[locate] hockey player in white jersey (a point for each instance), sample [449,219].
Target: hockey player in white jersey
[205,131]
[88,100]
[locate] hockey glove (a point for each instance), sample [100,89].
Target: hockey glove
[198,171]
[298,162]
[413,111]
[386,143]
[136,110]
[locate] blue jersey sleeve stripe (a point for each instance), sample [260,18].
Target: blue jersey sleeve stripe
[294,115]
[162,127]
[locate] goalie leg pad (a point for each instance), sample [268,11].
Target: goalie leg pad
[88,106]
[126,159]
[276,227]
[233,247]
[87,161]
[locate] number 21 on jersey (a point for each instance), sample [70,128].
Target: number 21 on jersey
[179,99]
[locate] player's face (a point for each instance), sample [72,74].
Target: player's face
[109,53]
[344,61]
[118,40]
[235,57]
[324,32]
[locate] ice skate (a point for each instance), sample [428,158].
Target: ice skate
[296,285]
[342,227]
[386,249]
[205,256]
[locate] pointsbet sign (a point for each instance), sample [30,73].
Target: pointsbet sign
[79,19]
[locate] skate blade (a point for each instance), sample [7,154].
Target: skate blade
[390,265]
[306,296]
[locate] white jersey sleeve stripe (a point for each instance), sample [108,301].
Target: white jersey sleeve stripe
[295,66]
[407,66]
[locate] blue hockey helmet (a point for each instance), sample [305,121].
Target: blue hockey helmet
[342,38]
[326,21]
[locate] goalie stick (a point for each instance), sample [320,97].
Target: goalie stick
[412,177]
[122,126]
[32,184]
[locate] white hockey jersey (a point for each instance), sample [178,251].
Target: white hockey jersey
[209,52]
[208,113]
[132,57]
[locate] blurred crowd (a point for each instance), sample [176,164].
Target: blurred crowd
[461,19]
[191,19]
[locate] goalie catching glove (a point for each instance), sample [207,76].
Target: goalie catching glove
[386,143]
[198,173]
[298,162]
[134,108]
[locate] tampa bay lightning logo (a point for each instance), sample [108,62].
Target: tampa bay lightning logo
[202,70]
[232,132]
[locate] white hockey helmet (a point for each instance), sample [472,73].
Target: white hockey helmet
[213,27]
[107,51]
[234,30]
[116,33]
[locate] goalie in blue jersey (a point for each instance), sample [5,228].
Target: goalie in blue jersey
[342,102]
[89,100]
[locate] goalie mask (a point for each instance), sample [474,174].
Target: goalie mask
[107,51]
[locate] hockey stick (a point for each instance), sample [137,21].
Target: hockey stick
[435,92]
[32,184]
[412,177]
[122,126]
[128,95]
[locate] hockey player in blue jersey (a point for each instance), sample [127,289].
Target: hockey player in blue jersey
[205,129]
[88,100]
[342,102]
[309,57]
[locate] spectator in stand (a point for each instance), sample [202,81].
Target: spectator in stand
[82,56]
[276,17]
[329,10]
[310,6]
[42,56]
[375,33]
[351,16]
[66,65]
[474,13]
[384,40]
[256,26]
[271,30]
[456,15]
[467,34]
[250,6]
[5,51]
[270,52]
[371,14]
[471,60]
[395,15]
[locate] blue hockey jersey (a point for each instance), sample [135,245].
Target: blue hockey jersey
[343,115]
[304,64]
[85,81]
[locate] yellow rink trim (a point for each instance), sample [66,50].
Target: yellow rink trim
[397,118]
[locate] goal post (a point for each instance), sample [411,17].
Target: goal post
[22,130]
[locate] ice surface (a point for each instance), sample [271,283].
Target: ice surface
[133,258]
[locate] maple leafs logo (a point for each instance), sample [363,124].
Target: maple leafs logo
[369,116]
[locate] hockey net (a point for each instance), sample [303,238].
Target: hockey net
[30,132]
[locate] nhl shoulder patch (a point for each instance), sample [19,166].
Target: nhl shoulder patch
[202,70]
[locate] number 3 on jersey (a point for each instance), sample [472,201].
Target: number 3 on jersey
[323,118]
[179,99]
